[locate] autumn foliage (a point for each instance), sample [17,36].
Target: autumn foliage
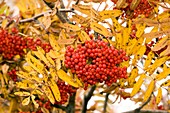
[53,50]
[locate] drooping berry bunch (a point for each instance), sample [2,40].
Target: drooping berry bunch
[95,62]
[65,91]
[12,44]
[143,8]
[43,103]
[12,74]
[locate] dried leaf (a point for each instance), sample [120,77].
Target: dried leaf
[53,42]
[134,4]
[65,41]
[138,85]
[48,93]
[149,90]
[55,89]
[63,76]
[160,44]
[105,14]
[26,101]
[22,93]
[5,68]
[159,95]
[70,27]
[100,29]
[148,60]
[165,52]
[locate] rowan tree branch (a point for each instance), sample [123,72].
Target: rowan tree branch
[61,15]
[87,98]
[42,14]
[59,106]
[148,111]
[105,102]
[71,104]
[77,2]
[138,110]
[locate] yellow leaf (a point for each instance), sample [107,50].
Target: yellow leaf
[23,74]
[70,27]
[46,21]
[63,76]
[120,3]
[138,84]
[137,45]
[65,41]
[34,63]
[133,75]
[22,93]
[139,53]
[130,46]
[160,44]
[53,54]
[78,81]
[5,68]
[53,73]
[134,4]
[48,93]
[149,91]
[26,101]
[105,14]
[62,34]
[44,110]
[152,35]
[34,102]
[83,36]
[166,51]
[140,29]
[159,95]
[4,23]
[166,83]
[58,64]
[158,62]
[119,40]
[2,80]
[86,9]
[55,89]
[50,60]
[27,68]
[148,60]
[41,55]
[163,74]
[100,29]
[53,42]
[116,24]
[125,38]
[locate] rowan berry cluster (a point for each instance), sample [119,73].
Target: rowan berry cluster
[12,44]
[65,91]
[95,62]
[143,8]
[13,75]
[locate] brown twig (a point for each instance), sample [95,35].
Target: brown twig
[87,98]
[105,102]
[42,14]
[138,110]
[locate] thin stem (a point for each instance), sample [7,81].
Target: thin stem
[71,105]
[137,110]
[42,14]
[105,102]
[87,98]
